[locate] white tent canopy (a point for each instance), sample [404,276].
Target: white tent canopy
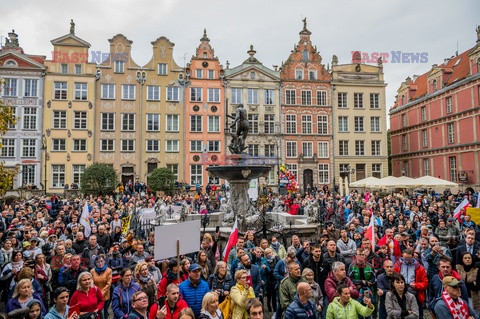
[402,182]
[366,182]
[430,181]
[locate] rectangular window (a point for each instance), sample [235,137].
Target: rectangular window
[424,113]
[322,124]
[213,123]
[172,123]
[358,100]
[162,69]
[60,119]
[128,92]
[211,74]
[322,98]
[323,174]
[31,88]
[306,97]
[108,91]
[448,102]
[59,144]
[195,123]
[214,146]
[269,121]
[199,73]
[80,120]
[174,169]
[343,148]
[269,96]
[290,98]
[323,150]
[253,122]
[253,150]
[299,74]
[291,120]
[291,149]
[404,142]
[64,68]
[377,170]
[8,149]
[196,146]
[196,94]
[359,127]
[306,124]
[172,145]
[252,96]
[312,75]
[79,145]
[127,145]
[293,168]
[108,121]
[153,146]
[453,168]
[195,174]
[359,148]
[342,100]
[29,146]
[60,92]
[81,93]
[78,69]
[374,104]
[29,118]
[153,92]
[269,150]
[153,122]
[77,173]
[426,166]
[343,123]
[58,176]
[307,149]
[214,95]
[107,145]
[236,95]
[376,148]
[404,120]
[451,133]
[119,66]
[173,93]
[128,121]
[375,124]
[28,174]
[424,138]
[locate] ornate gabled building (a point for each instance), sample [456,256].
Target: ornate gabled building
[204,115]
[257,88]
[69,112]
[22,76]
[435,121]
[306,114]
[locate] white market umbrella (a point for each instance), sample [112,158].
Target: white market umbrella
[366,182]
[430,181]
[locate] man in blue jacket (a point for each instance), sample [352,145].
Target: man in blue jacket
[302,306]
[449,305]
[194,288]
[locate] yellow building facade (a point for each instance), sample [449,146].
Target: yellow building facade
[69,109]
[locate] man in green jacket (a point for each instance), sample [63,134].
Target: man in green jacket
[288,285]
[344,307]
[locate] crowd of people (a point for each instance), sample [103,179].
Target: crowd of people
[421,257]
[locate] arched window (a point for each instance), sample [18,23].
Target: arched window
[434,82]
[305,55]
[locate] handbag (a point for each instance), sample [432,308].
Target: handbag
[226,307]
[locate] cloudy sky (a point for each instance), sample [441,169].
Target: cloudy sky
[338,27]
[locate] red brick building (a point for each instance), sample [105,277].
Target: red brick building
[306,114]
[435,121]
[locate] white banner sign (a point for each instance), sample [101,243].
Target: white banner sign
[166,237]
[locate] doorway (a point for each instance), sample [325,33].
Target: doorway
[307,179]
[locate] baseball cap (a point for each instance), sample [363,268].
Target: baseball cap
[26,244]
[405,233]
[451,281]
[193,267]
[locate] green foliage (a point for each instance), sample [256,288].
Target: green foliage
[161,179]
[99,179]
[6,118]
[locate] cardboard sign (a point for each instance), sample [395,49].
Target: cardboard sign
[166,236]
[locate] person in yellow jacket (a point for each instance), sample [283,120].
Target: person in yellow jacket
[344,307]
[240,293]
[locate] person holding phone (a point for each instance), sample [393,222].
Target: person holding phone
[240,293]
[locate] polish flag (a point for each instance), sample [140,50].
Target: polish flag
[232,241]
[458,211]
[370,233]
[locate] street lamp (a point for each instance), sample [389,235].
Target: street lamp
[141,79]
[44,148]
[274,143]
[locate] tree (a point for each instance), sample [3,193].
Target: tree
[161,179]
[99,179]
[7,118]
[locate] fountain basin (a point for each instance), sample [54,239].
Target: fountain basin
[243,172]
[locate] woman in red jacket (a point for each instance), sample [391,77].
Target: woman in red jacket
[88,297]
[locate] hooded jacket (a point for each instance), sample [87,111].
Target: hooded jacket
[193,294]
[352,310]
[421,280]
[121,299]
[297,310]
[54,314]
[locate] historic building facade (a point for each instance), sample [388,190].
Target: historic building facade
[257,88]
[359,118]
[204,115]
[22,76]
[139,111]
[306,114]
[69,112]
[435,121]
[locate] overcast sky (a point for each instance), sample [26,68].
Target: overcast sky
[338,27]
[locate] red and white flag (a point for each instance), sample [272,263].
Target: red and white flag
[458,211]
[232,241]
[478,200]
[370,233]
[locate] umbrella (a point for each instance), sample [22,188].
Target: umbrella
[366,182]
[430,181]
